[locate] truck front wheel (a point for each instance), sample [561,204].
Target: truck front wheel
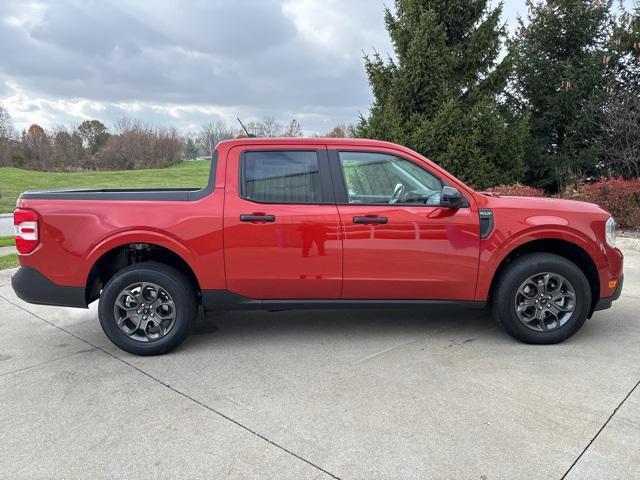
[541,298]
[147,308]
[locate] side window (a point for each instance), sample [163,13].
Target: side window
[378,178]
[281,177]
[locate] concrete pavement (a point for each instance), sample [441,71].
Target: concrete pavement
[442,393]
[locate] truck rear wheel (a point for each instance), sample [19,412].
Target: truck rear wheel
[147,308]
[541,298]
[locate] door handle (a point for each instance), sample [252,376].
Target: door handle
[257,218]
[378,220]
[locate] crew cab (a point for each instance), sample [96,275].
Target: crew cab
[314,223]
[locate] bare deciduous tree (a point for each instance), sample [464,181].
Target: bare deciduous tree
[341,131]
[137,145]
[37,146]
[622,133]
[6,137]
[294,129]
[269,127]
[68,151]
[6,124]
[211,134]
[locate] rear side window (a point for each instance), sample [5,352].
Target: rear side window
[281,177]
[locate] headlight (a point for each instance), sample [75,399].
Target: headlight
[610,232]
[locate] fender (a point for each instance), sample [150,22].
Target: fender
[494,250]
[155,237]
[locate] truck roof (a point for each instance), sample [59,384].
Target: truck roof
[308,141]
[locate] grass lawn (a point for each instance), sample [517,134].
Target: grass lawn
[14,181]
[7,241]
[9,261]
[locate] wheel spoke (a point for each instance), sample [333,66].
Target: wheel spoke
[555,311]
[123,297]
[563,308]
[563,296]
[123,323]
[157,324]
[142,326]
[525,304]
[541,315]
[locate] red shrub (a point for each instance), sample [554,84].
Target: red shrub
[621,198]
[518,190]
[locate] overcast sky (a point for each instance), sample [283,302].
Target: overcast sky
[184,63]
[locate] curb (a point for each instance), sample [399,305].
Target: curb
[6,215]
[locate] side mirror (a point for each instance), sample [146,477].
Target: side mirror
[450,198]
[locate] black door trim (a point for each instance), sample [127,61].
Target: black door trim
[226,300]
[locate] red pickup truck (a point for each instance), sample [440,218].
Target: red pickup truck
[314,223]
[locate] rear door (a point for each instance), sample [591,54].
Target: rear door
[398,242]
[281,233]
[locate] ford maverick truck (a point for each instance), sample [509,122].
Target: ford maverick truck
[314,223]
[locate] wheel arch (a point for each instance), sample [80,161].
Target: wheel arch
[114,256]
[561,247]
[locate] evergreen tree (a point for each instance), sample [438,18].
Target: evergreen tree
[444,92]
[564,69]
[625,42]
[190,149]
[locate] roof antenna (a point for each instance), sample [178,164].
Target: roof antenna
[250,135]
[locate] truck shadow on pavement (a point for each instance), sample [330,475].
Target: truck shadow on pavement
[453,325]
[452,321]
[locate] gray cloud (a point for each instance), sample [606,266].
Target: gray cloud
[183,63]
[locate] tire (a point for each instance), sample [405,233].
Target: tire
[527,275]
[175,303]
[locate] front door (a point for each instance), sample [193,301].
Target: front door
[281,232]
[398,242]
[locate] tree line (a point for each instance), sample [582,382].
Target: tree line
[553,104]
[129,144]
[89,146]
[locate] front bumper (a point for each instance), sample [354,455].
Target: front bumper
[605,303]
[33,287]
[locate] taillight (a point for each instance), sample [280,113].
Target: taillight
[26,225]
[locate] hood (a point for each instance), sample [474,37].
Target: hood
[542,204]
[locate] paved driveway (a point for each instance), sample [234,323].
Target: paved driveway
[351,395]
